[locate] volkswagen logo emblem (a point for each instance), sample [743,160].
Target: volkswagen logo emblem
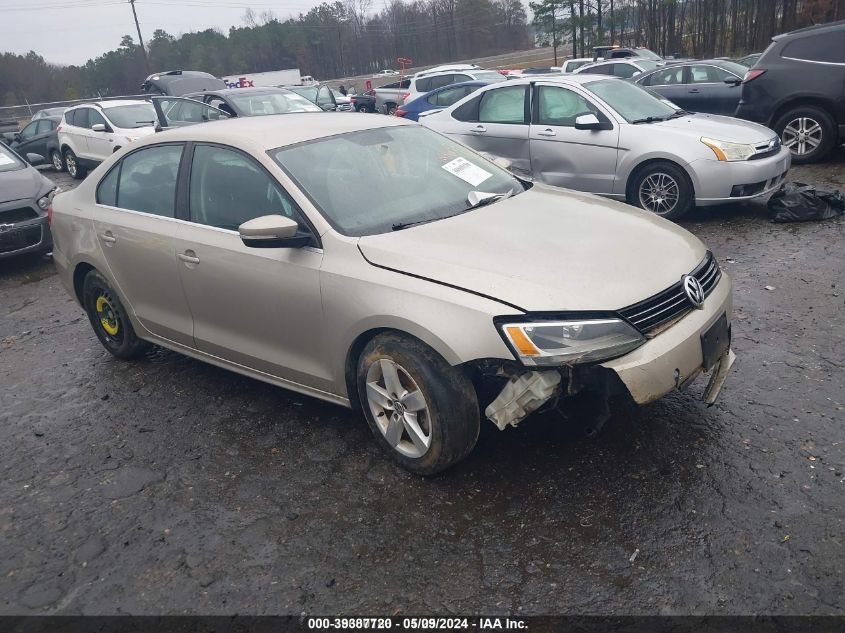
[693,291]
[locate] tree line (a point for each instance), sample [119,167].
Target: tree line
[334,39]
[693,28]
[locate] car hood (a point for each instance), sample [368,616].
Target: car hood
[721,128]
[547,249]
[139,132]
[22,184]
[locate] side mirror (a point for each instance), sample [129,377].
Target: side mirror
[98,127]
[272,231]
[35,159]
[587,122]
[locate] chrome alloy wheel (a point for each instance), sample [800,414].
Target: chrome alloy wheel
[802,135]
[58,165]
[399,408]
[659,193]
[70,161]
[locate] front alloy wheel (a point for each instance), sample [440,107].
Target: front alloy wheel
[399,408]
[659,193]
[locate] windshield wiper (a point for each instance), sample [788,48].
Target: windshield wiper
[477,199]
[678,113]
[649,119]
[404,225]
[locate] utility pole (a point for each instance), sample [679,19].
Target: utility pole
[140,39]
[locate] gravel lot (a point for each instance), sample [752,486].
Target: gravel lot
[170,486]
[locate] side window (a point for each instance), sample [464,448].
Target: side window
[107,189]
[666,77]
[468,111]
[424,84]
[505,105]
[624,70]
[218,103]
[30,130]
[43,126]
[447,97]
[441,80]
[70,117]
[821,47]
[604,69]
[560,106]
[95,117]
[148,180]
[228,189]
[708,75]
[324,96]
[80,119]
[456,79]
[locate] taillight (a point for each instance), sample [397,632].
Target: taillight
[58,129]
[405,95]
[752,74]
[399,112]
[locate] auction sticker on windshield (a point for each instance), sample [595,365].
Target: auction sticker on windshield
[466,171]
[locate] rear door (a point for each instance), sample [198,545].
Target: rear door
[495,122]
[708,91]
[257,307]
[563,156]
[135,226]
[78,131]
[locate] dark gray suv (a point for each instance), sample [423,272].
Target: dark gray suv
[796,88]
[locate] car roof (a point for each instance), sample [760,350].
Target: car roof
[228,92]
[109,104]
[572,79]
[830,26]
[263,133]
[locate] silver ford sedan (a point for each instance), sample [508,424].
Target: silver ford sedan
[607,136]
[376,264]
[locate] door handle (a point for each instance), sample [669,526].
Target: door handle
[189,257]
[546,132]
[108,237]
[694,91]
[479,129]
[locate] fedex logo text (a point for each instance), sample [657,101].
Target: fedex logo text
[242,82]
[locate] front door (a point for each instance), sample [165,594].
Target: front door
[257,307]
[563,156]
[100,143]
[135,227]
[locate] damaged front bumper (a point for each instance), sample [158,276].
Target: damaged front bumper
[671,360]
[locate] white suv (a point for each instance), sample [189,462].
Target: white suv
[439,76]
[91,132]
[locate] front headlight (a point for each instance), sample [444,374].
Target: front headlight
[728,151]
[548,343]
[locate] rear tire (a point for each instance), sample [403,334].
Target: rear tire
[76,171]
[422,411]
[109,319]
[663,188]
[391,109]
[808,131]
[57,160]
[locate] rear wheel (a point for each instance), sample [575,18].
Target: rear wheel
[662,188]
[391,109]
[57,160]
[422,411]
[76,171]
[809,133]
[109,319]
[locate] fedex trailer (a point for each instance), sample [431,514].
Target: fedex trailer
[270,78]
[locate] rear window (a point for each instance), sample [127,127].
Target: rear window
[821,47]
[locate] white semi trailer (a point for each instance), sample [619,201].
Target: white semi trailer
[270,78]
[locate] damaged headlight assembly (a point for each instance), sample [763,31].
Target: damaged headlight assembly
[546,343]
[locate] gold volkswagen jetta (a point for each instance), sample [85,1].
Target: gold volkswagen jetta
[376,264]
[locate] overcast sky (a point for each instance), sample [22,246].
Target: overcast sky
[73,31]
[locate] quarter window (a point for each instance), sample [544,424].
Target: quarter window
[107,189]
[821,47]
[505,105]
[560,106]
[228,189]
[148,180]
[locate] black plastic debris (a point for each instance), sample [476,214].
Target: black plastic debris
[798,202]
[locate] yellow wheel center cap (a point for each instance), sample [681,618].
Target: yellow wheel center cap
[107,316]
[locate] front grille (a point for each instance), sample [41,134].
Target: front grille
[10,216]
[672,302]
[764,150]
[17,239]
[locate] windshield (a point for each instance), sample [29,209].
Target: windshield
[132,116]
[8,161]
[644,52]
[490,76]
[272,103]
[377,180]
[630,100]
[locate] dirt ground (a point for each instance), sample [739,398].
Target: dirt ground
[170,486]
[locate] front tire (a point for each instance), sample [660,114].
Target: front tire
[363,109]
[76,171]
[422,411]
[809,133]
[57,160]
[109,319]
[391,109]
[662,188]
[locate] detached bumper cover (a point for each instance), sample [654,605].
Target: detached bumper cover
[715,180]
[674,357]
